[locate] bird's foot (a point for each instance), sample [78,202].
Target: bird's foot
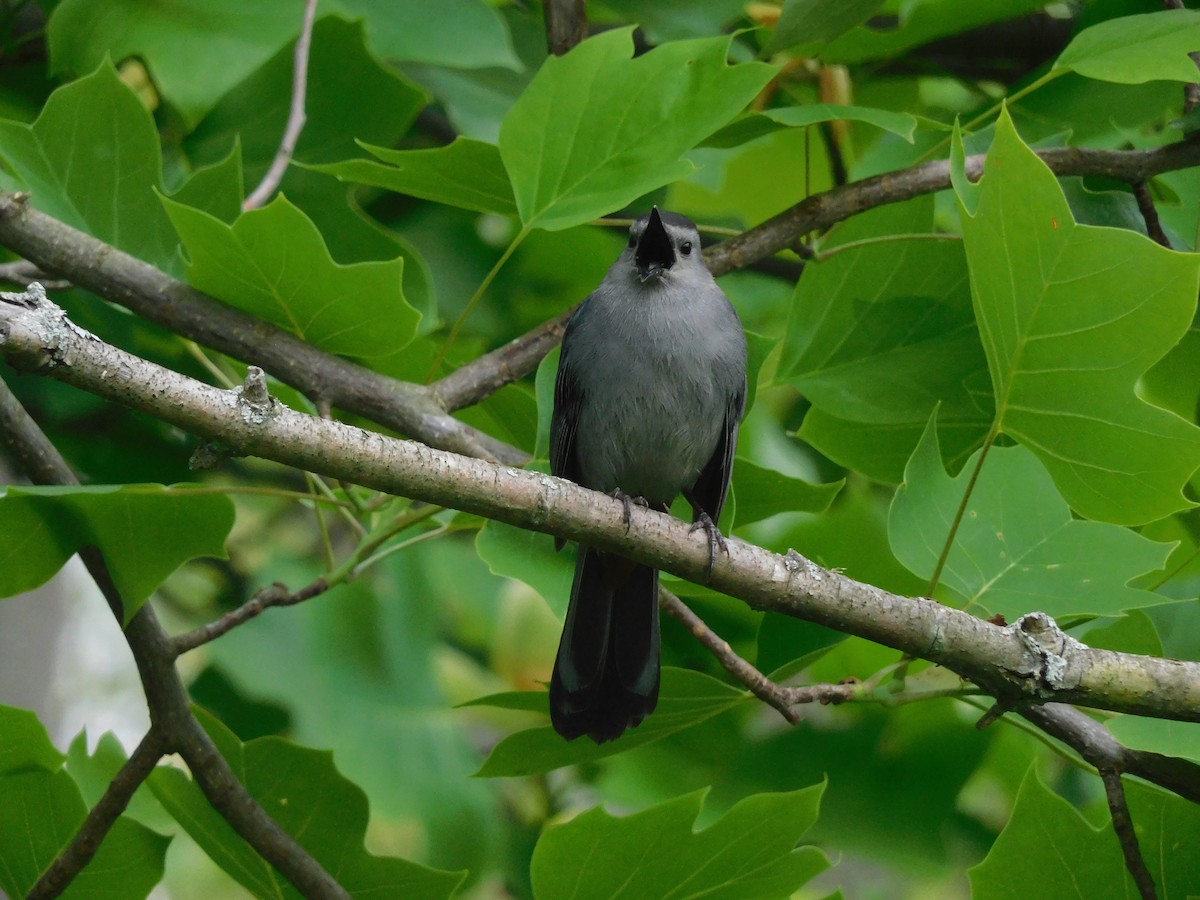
[716,541]
[629,502]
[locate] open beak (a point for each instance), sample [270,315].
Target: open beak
[654,251]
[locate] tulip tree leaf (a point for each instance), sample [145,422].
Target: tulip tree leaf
[763,492]
[1135,49]
[595,129]
[144,531]
[467,173]
[1017,548]
[191,74]
[850,347]
[42,811]
[749,853]
[24,743]
[808,24]
[273,263]
[304,792]
[92,159]
[756,124]
[685,699]
[1070,317]
[1047,849]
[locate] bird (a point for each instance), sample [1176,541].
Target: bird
[648,399]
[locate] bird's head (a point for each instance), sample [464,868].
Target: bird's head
[662,243]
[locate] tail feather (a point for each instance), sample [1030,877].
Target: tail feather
[606,674]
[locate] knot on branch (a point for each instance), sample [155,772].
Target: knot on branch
[252,398]
[37,336]
[1046,651]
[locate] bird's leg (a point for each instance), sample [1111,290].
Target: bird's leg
[716,540]
[629,502]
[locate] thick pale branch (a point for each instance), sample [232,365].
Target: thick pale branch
[1031,661]
[121,278]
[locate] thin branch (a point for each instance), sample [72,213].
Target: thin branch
[296,116]
[1032,660]
[143,289]
[1141,191]
[762,687]
[1122,822]
[24,273]
[273,595]
[101,818]
[171,717]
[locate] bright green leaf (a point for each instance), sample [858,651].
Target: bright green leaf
[466,173]
[405,31]
[1070,317]
[809,24]
[1166,825]
[1048,850]
[595,129]
[144,531]
[92,159]
[755,124]
[273,263]
[312,801]
[24,743]
[764,492]
[855,350]
[1135,49]
[1017,548]
[196,50]
[747,854]
[685,699]
[529,557]
[41,812]
[1163,736]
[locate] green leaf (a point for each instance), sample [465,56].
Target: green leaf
[755,124]
[685,699]
[1180,739]
[273,263]
[1164,823]
[855,350]
[764,492]
[92,159]
[1070,317]
[1135,49]
[24,743]
[809,24]
[1048,850]
[749,853]
[468,174]
[191,73]
[41,812]
[1017,548]
[302,790]
[529,557]
[595,129]
[404,30]
[144,531]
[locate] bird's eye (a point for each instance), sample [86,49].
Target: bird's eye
[685,248]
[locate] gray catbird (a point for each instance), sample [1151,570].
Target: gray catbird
[651,388]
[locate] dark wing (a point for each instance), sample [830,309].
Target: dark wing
[712,487]
[564,461]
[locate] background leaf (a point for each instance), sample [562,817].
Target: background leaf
[1134,49]
[1057,303]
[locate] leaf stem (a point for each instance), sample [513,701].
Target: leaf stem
[474,301]
[962,507]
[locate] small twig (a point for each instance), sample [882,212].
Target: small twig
[24,273]
[71,861]
[762,687]
[566,24]
[296,115]
[273,595]
[1114,790]
[1141,191]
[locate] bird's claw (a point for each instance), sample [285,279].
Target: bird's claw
[716,540]
[629,502]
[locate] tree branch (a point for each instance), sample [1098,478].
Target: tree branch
[296,116]
[1029,662]
[1123,826]
[143,289]
[566,24]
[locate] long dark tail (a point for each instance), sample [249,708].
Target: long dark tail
[607,670]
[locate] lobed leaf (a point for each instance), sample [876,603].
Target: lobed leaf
[1136,49]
